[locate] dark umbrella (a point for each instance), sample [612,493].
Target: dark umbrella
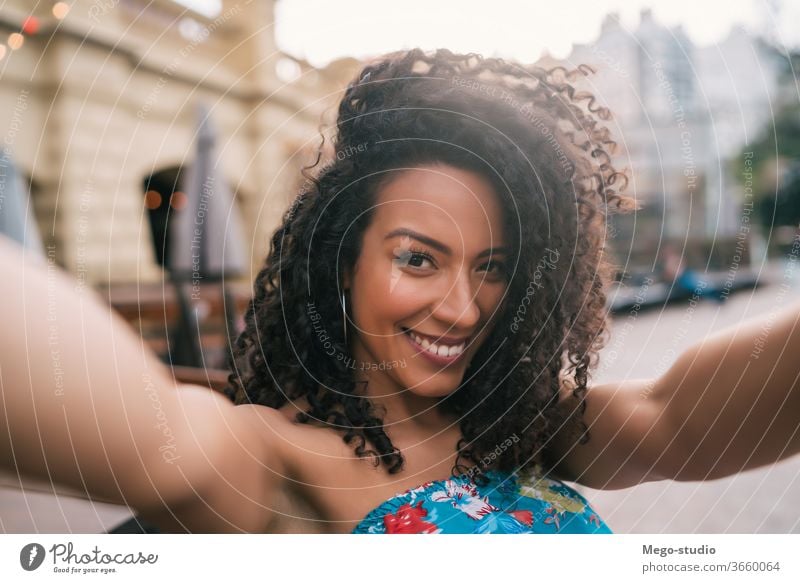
[16,216]
[205,241]
[206,234]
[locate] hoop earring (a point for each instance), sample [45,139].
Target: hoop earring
[344,319]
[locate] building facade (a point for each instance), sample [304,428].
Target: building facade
[682,115]
[98,106]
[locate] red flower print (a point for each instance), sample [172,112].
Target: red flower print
[409,520]
[524,516]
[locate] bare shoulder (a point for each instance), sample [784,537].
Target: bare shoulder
[268,427]
[244,472]
[313,469]
[294,448]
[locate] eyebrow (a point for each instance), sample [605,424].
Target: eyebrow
[441,247]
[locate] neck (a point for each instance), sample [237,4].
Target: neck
[406,413]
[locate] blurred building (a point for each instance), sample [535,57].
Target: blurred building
[98,109]
[682,115]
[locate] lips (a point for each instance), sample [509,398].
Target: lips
[441,346]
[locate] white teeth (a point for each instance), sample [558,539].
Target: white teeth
[446,351]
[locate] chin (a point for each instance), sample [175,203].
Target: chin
[431,387]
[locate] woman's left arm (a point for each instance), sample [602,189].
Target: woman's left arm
[733,400]
[728,404]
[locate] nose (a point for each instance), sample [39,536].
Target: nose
[458,308]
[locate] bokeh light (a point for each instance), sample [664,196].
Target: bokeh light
[152,199]
[15,41]
[30,25]
[60,10]
[178,200]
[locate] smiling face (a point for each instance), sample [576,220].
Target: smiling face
[429,279]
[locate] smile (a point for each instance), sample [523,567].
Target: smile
[440,348]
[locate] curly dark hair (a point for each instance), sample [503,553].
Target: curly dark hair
[542,144]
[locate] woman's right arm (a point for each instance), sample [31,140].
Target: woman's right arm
[86,404]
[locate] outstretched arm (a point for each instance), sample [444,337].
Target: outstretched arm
[728,404]
[85,404]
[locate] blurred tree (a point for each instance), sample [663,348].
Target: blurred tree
[775,157]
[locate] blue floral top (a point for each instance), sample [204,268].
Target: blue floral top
[507,504]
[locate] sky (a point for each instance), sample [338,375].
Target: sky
[321,31]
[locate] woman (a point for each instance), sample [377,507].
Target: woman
[417,352]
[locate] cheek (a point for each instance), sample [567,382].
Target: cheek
[489,297]
[380,302]
[490,301]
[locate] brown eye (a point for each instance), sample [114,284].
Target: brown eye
[417,259]
[495,268]
[411,258]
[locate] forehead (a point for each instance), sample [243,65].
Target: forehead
[448,203]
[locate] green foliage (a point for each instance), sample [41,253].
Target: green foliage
[776,157]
